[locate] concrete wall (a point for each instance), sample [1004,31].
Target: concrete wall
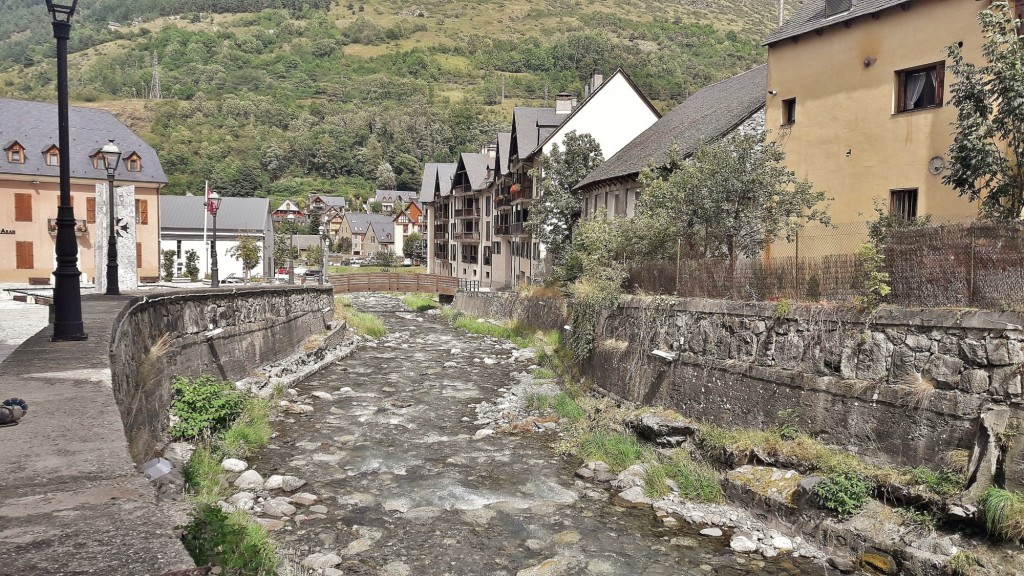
[222,333]
[848,139]
[903,385]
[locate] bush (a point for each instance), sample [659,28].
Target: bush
[233,541]
[1004,513]
[845,493]
[167,265]
[203,406]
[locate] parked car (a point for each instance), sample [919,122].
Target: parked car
[312,273]
[232,279]
[407,262]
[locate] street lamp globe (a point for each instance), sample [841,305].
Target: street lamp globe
[111,157]
[61,11]
[214,201]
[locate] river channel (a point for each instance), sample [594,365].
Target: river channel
[406,485]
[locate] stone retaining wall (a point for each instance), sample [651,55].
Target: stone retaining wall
[905,385]
[543,314]
[222,333]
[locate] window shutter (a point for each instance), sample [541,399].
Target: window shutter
[22,207]
[143,211]
[90,210]
[940,80]
[138,255]
[24,255]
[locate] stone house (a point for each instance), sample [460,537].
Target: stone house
[30,190]
[355,226]
[389,198]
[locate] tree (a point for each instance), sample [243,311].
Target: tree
[385,258]
[344,245]
[988,140]
[284,251]
[553,215]
[415,247]
[168,264]
[385,177]
[247,251]
[315,256]
[732,198]
[376,207]
[192,265]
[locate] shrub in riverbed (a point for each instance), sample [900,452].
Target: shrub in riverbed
[1003,512]
[568,409]
[203,406]
[845,493]
[419,303]
[235,542]
[363,323]
[963,563]
[618,450]
[250,432]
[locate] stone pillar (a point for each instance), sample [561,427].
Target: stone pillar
[124,213]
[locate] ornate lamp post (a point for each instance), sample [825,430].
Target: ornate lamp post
[111,158]
[67,288]
[291,248]
[325,231]
[213,204]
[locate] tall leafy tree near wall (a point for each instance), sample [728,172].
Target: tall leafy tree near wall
[553,215]
[732,198]
[988,142]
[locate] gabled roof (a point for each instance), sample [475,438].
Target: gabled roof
[288,206]
[530,126]
[545,138]
[475,165]
[501,158]
[445,175]
[180,213]
[708,115]
[429,181]
[811,16]
[34,126]
[384,232]
[359,223]
[336,201]
[393,196]
[303,241]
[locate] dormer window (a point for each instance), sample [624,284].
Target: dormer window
[133,162]
[51,155]
[836,7]
[15,153]
[98,161]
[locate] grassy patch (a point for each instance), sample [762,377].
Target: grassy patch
[538,402]
[202,474]
[521,335]
[543,373]
[233,541]
[568,409]
[963,563]
[794,447]
[419,303]
[696,482]
[944,482]
[1004,513]
[618,450]
[363,323]
[250,432]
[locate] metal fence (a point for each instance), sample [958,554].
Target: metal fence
[951,263]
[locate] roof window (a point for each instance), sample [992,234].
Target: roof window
[836,7]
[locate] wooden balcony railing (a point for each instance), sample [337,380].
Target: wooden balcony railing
[467,213]
[467,236]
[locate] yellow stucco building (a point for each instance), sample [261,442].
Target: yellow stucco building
[858,97]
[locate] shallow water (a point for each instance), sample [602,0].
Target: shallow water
[409,491]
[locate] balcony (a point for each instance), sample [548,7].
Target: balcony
[521,192]
[467,236]
[503,200]
[81,227]
[503,230]
[518,228]
[462,189]
[467,213]
[467,259]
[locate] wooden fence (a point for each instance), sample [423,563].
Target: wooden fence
[394,282]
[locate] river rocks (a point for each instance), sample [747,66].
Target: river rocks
[743,542]
[320,561]
[551,567]
[271,524]
[712,532]
[242,500]
[318,509]
[233,465]
[291,483]
[274,482]
[322,395]
[632,498]
[249,480]
[304,499]
[277,507]
[781,543]
[630,477]
[665,429]
[395,569]
[844,565]
[357,546]
[295,407]
[483,433]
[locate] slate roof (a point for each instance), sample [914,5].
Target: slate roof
[358,223]
[236,214]
[811,16]
[501,158]
[34,126]
[393,196]
[429,181]
[445,174]
[532,125]
[708,115]
[384,232]
[476,168]
[332,201]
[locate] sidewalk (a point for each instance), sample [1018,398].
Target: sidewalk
[71,501]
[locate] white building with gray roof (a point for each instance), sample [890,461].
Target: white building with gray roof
[182,221]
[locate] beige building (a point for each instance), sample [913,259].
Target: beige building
[30,190]
[858,97]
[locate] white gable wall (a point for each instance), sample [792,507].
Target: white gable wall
[614,116]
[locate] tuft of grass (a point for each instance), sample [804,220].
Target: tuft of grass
[943,483]
[363,323]
[568,409]
[250,432]
[958,461]
[202,474]
[963,563]
[619,451]
[419,303]
[797,448]
[233,541]
[538,402]
[543,373]
[1004,513]
[697,482]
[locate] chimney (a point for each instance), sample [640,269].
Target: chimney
[564,103]
[597,80]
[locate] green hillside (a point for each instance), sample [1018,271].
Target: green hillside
[283,97]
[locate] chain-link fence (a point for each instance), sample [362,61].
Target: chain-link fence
[944,263]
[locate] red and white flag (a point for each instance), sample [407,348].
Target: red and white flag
[209,206]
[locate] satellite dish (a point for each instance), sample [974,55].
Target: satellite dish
[936,165]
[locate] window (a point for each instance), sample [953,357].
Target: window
[24,256]
[487,255]
[142,212]
[133,163]
[178,249]
[53,157]
[22,207]
[788,111]
[836,7]
[903,203]
[497,247]
[138,255]
[90,210]
[919,88]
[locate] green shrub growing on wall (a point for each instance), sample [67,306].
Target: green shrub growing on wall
[203,406]
[845,493]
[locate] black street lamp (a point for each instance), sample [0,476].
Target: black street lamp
[111,158]
[291,249]
[213,204]
[67,287]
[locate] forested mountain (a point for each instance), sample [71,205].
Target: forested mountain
[284,97]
